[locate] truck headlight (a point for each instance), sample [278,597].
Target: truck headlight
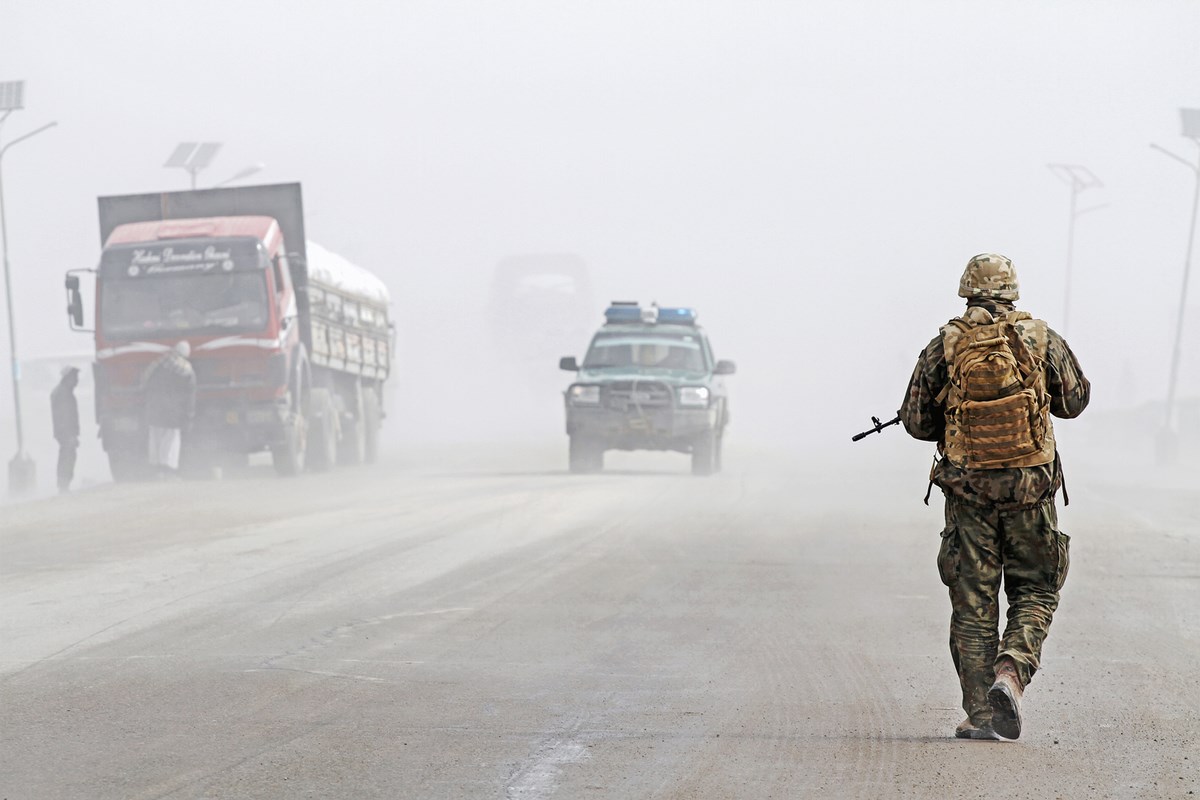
[580,395]
[693,396]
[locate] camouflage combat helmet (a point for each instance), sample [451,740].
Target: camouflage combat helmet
[989,275]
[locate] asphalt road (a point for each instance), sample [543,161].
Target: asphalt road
[475,623]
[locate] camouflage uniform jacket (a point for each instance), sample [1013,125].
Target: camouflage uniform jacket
[925,419]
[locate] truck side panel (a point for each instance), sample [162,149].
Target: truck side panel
[349,334]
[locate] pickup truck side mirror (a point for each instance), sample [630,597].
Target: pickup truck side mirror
[725,368]
[568,363]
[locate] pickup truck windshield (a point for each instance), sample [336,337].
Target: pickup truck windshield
[234,302]
[645,352]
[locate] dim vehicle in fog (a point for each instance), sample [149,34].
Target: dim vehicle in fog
[290,343]
[649,381]
[537,302]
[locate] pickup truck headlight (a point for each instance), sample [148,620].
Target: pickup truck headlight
[693,397]
[582,395]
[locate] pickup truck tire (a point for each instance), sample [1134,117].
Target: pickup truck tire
[706,453]
[585,455]
[322,431]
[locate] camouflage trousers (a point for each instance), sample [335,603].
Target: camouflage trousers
[980,547]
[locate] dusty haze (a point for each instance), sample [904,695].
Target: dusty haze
[466,618]
[811,176]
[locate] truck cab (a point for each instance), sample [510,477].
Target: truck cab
[222,285]
[289,342]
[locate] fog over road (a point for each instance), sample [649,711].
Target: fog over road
[476,623]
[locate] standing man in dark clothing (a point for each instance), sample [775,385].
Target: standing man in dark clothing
[984,390]
[170,390]
[64,413]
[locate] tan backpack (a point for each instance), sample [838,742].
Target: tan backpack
[997,407]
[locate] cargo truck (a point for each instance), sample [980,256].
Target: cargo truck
[291,343]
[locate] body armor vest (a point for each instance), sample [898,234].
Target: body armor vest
[997,406]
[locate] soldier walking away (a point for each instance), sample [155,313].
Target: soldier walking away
[170,391]
[984,390]
[64,413]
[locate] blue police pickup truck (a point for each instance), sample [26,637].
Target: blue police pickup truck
[649,381]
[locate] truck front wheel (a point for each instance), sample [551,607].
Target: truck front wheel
[288,455]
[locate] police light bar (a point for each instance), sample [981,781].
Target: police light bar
[677,316]
[627,312]
[623,312]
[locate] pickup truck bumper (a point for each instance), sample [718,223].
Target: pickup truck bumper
[664,428]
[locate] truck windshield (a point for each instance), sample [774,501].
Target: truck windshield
[646,352]
[235,301]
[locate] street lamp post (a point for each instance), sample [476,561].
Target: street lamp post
[1077,178]
[21,469]
[1168,443]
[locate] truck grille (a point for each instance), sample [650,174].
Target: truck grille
[623,395]
[225,373]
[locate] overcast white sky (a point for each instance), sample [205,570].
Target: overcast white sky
[811,175]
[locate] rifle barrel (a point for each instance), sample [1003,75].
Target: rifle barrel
[878,427]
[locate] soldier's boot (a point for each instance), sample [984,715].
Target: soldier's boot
[1005,699]
[971,730]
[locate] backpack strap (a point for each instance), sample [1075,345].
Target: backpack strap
[952,331]
[932,472]
[1061,477]
[941,396]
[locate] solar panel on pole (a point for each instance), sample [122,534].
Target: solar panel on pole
[1191,122]
[203,156]
[12,95]
[1076,176]
[182,154]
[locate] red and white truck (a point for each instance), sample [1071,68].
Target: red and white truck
[291,344]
